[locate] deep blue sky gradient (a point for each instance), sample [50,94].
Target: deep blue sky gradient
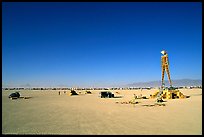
[99,44]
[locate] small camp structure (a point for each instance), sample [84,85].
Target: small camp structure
[72,92]
[87,92]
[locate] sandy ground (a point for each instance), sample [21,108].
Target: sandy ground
[47,112]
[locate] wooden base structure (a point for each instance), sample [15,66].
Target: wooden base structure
[169,94]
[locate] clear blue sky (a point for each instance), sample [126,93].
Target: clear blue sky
[99,44]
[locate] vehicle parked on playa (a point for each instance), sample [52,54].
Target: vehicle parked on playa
[14,95]
[106,94]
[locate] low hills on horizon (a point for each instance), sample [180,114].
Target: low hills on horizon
[175,83]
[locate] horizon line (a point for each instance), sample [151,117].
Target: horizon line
[93,86]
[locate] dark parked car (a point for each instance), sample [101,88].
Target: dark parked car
[106,94]
[16,94]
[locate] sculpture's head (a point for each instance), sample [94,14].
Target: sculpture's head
[163,52]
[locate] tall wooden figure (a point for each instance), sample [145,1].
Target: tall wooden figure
[165,67]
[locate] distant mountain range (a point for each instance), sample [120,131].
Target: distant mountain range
[176,83]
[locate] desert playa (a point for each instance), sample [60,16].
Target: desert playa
[47,112]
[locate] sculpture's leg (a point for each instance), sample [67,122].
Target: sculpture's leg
[163,68]
[168,74]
